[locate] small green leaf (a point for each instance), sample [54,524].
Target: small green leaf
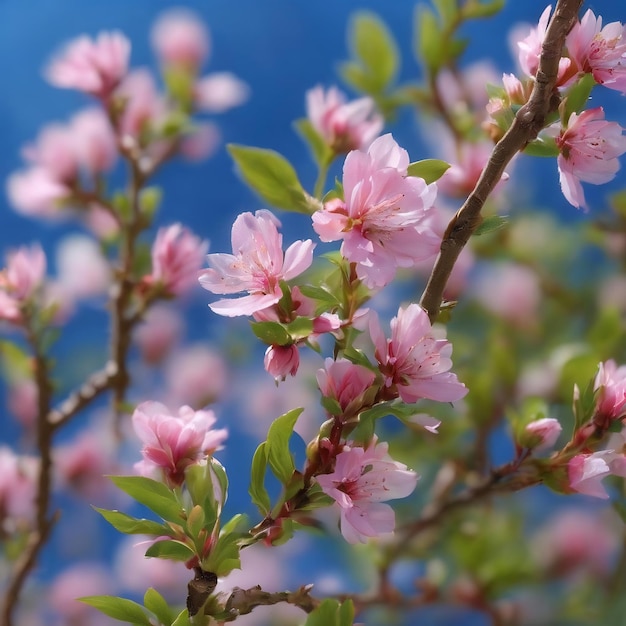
[131,525]
[272,177]
[257,489]
[476,9]
[300,328]
[278,455]
[150,200]
[271,333]
[321,152]
[159,607]
[153,494]
[429,40]
[577,97]
[118,608]
[448,10]
[331,613]
[183,619]
[490,224]
[542,147]
[170,549]
[224,555]
[428,169]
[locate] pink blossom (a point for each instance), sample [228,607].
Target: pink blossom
[220,91]
[174,442]
[610,383]
[95,66]
[257,265]
[101,222]
[25,271]
[589,149]
[343,125]
[467,90]
[180,38]
[22,398]
[414,364]
[381,221]
[599,51]
[160,330]
[177,256]
[17,488]
[345,382]
[281,361]
[530,49]
[542,434]
[35,192]
[55,151]
[362,479]
[201,143]
[586,471]
[94,141]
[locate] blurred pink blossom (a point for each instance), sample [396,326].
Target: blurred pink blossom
[25,271]
[599,51]
[281,361]
[201,143]
[343,125]
[467,89]
[94,141]
[586,471]
[610,383]
[17,488]
[100,222]
[55,151]
[220,91]
[180,38]
[95,66]
[177,256]
[381,221]
[35,192]
[22,398]
[257,265]
[362,479]
[345,382]
[589,149]
[414,364]
[542,434]
[158,333]
[172,442]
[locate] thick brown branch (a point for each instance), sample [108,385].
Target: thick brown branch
[530,119]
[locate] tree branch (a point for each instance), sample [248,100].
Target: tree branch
[528,122]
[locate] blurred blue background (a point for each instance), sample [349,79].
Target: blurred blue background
[280,48]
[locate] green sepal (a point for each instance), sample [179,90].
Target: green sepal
[120,609]
[430,170]
[271,175]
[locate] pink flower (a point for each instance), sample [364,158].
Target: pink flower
[35,192]
[25,271]
[586,471]
[93,66]
[55,151]
[17,487]
[180,38]
[177,256]
[257,265]
[201,143]
[159,332]
[589,149]
[599,51]
[542,433]
[281,361]
[220,91]
[343,125]
[362,479]
[414,364]
[345,382]
[94,141]
[381,221]
[174,442]
[610,383]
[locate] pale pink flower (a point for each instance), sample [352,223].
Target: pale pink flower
[257,265]
[94,141]
[160,330]
[530,49]
[586,471]
[25,271]
[345,382]
[95,66]
[101,222]
[22,398]
[362,479]
[542,434]
[180,38]
[343,125]
[589,149]
[381,221]
[54,150]
[173,442]
[220,91]
[17,488]
[201,143]
[465,91]
[599,51]
[610,383]
[282,361]
[177,256]
[412,361]
[196,375]
[35,192]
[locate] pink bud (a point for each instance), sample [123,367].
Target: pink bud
[281,361]
[542,433]
[180,38]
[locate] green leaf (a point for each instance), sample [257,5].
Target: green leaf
[170,549]
[428,169]
[272,177]
[476,9]
[257,489]
[346,613]
[224,555]
[300,328]
[159,607]
[278,455]
[429,39]
[373,45]
[331,613]
[490,224]
[448,10]
[132,525]
[542,147]
[183,619]
[577,97]
[16,363]
[271,333]
[321,152]
[153,494]
[118,608]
